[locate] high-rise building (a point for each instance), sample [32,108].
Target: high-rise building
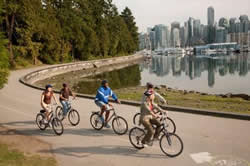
[211,25]
[197,30]
[161,36]
[152,39]
[221,35]
[223,22]
[232,25]
[210,16]
[190,31]
[174,26]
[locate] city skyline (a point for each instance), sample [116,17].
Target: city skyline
[172,11]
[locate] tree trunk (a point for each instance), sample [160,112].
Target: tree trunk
[10,28]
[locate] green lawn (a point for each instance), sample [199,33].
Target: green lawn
[176,98]
[10,157]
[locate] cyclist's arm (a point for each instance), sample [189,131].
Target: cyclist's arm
[54,97]
[113,95]
[158,96]
[42,99]
[149,110]
[72,94]
[157,108]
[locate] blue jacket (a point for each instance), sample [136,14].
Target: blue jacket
[103,94]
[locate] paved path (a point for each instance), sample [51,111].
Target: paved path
[206,139]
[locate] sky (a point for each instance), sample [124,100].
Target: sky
[152,12]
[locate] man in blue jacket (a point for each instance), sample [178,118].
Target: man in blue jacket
[102,100]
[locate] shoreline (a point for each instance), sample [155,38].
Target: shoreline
[186,100]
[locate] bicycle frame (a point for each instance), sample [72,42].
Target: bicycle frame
[113,114]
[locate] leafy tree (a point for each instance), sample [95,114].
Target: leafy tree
[131,24]
[4,59]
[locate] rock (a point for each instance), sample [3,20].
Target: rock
[164,86]
[185,92]
[229,95]
[181,91]
[157,87]
[243,96]
[203,94]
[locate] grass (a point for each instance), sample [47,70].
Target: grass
[10,157]
[194,100]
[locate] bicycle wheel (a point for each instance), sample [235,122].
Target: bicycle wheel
[59,113]
[171,145]
[170,126]
[136,119]
[120,125]
[57,126]
[96,121]
[135,137]
[74,117]
[40,121]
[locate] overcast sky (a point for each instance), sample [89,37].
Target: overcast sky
[151,12]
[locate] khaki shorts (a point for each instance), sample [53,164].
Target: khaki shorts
[47,107]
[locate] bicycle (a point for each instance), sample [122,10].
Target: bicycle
[170,124]
[118,122]
[53,121]
[73,115]
[168,141]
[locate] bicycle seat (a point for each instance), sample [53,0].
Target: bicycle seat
[42,111]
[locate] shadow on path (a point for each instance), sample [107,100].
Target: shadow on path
[81,152]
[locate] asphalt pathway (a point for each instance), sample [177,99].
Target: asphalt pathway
[207,140]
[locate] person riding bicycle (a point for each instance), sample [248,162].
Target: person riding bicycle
[148,118]
[150,87]
[64,97]
[46,97]
[102,100]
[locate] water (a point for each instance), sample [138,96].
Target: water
[210,74]
[218,74]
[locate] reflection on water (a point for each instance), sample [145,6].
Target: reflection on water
[212,74]
[122,78]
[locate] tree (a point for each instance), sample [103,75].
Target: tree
[4,59]
[131,24]
[10,11]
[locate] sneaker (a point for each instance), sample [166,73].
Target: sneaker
[45,121]
[150,143]
[145,145]
[107,125]
[157,138]
[102,119]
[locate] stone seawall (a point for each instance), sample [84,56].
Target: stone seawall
[54,70]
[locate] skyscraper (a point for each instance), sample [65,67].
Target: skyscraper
[210,16]
[211,25]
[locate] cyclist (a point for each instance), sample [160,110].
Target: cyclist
[46,97]
[148,118]
[150,87]
[102,100]
[64,97]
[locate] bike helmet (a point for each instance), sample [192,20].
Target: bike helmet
[150,85]
[104,82]
[48,86]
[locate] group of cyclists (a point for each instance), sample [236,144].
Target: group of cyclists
[149,108]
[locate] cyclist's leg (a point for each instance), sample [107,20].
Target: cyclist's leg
[65,107]
[158,127]
[150,131]
[102,107]
[45,107]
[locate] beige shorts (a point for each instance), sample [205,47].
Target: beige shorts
[47,107]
